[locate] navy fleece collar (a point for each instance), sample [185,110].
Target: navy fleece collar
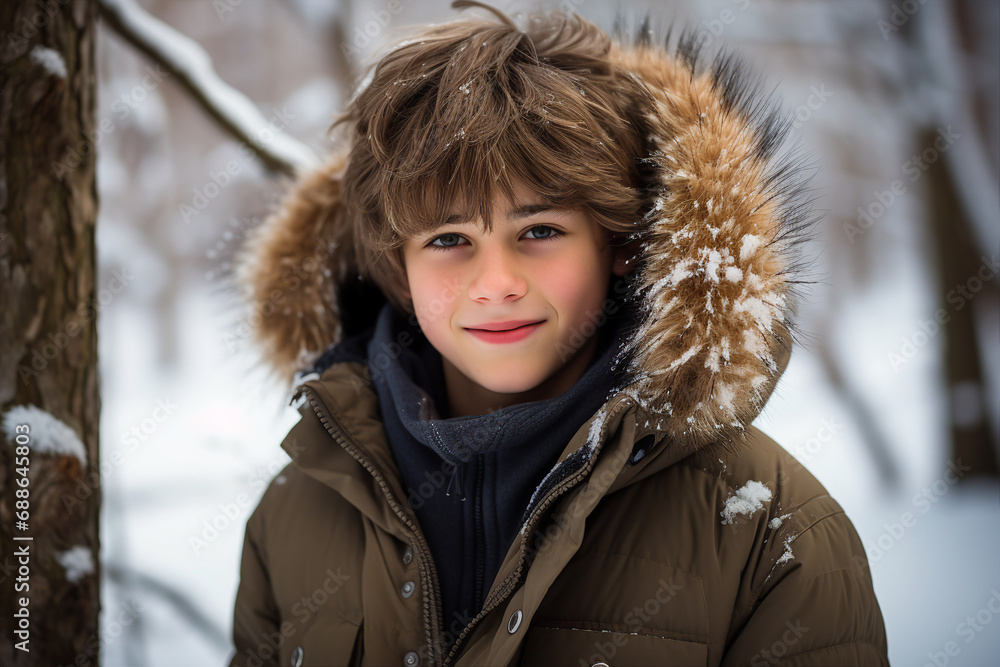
[412,376]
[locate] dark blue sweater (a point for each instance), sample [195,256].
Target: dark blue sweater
[470,478]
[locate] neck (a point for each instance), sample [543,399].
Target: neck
[467,398]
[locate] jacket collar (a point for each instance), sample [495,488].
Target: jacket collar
[342,405]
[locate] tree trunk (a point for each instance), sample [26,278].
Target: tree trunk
[49,484]
[962,274]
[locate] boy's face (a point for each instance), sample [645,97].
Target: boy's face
[546,266]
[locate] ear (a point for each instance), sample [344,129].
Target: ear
[625,258]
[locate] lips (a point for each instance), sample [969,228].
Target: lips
[509,325]
[506,332]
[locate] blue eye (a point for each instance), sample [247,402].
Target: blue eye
[536,233]
[553,232]
[448,241]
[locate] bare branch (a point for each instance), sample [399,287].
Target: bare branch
[192,67]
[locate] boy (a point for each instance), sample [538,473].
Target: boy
[557,271]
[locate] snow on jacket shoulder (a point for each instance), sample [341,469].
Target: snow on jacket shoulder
[671,531]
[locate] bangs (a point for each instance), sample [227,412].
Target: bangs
[458,116]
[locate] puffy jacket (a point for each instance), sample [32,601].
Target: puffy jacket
[670,532]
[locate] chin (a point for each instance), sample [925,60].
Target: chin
[511,384]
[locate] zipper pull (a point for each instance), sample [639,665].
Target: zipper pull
[455,482]
[297,392]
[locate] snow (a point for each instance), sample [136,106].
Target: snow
[166,490]
[680,271]
[713,263]
[684,358]
[746,500]
[594,434]
[725,397]
[787,555]
[78,561]
[49,59]
[47,435]
[757,309]
[748,246]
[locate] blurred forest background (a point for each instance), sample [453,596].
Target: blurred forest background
[895,101]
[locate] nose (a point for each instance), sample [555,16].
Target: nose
[497,276]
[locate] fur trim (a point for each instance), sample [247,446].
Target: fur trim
[716,273]
[286,267]
[718,269]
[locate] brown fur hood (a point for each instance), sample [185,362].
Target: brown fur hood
[716,274]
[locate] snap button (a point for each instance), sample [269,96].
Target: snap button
[408,589]
[515,622]
[411,659]
[407,555]
[296,660]
[600,664]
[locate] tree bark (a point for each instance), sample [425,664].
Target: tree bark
[962,274]
[48,335]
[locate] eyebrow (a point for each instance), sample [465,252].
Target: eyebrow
[518,213]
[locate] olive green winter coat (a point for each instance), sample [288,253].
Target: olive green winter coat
[632,562]
[671,532]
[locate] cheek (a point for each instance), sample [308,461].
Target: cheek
[576,284]
[433,289]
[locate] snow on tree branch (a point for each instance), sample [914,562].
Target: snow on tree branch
[192,67]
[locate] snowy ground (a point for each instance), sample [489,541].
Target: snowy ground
[200,463]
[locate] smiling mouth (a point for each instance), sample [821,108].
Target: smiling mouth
[530,324]
[513,335]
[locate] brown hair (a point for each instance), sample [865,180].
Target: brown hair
[464,110]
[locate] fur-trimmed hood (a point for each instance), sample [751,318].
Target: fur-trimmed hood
[715,277]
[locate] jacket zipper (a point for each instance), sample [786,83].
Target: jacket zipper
[428,573]
[509,585]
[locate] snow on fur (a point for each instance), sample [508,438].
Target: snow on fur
[46,435]
[715,281]
[746,500]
